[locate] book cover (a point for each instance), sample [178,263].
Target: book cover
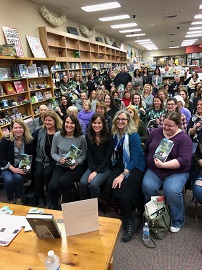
[44,225]
[19,86]
[163,150]
[36,47]
[32,70]
[40,72]
[73,155]
[5,73]
[8,50]
[9,88]
[23,71]
[45,70]
[25,163]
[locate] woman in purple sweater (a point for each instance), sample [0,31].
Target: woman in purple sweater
[86,114]
[173,174]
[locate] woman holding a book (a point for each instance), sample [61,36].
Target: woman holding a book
[172,174]
[44,163]
[66,173]
[128,163]
[100,146]
[18,142]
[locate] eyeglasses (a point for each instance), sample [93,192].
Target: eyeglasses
[170,104]
[121,119]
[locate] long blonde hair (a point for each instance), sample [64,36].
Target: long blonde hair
[27,134]
[135,118]
[130,128]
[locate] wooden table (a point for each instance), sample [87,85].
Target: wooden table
[91,251]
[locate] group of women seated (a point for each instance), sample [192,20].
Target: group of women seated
[116,152]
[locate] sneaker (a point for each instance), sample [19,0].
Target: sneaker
[174,229]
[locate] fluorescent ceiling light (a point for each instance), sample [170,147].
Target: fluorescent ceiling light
[199,16]
[194,32]
[135,35]
[174,47]
[188,40]
[146,42]
[114,18]
[195,28]
[196,23]
[116,26]
[130,30]
[195,35]
[200,7]
[104,6]
[142,40]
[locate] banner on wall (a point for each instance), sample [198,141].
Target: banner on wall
[12,37]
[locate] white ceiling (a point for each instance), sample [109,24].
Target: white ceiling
[151,17]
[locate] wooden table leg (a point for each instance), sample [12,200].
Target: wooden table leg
[111,264]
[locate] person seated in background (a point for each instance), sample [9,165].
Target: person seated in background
[173,88]
[79,102]
[182,109]
[99,95]
[139,104]
[191,84]
[100,146]
[77,86]
[44,163]
[110,80]
[197,96]
[101,108]
[65,84]
[163,94]
[128,163]
[38,122]
[86,114]
[72,110]
[91,84]
[195,93]
[65,103]
[197,184]
[97,76]
[172,174]
[129,87]
[126,97]
[147,96]
[188,104]
[118,102]
[141,128]
[93,100]
[194,127]
[123,77]
[110,103]
[171,106]
[64,175]
[19,141]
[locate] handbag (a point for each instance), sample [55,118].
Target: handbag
[160,224]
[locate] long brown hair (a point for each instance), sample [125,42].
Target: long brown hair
[103,133]
[77,130]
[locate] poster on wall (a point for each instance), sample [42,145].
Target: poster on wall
[12,37]
[36,47]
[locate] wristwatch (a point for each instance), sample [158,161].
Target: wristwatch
[125,173]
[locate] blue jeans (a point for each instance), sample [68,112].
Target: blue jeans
[13,184]
[94,185]
[172,188]
[197,189]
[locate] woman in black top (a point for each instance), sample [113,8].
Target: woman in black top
[61,110]
[100,146]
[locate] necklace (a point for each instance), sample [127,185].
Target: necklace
[50,138]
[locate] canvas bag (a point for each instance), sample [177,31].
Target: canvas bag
[160,224]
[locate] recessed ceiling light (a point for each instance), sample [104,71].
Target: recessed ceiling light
[135,35]
[104,6]
[130,30]
[199,16]
[196,23]
[114,18]
[195,28]
[116,26]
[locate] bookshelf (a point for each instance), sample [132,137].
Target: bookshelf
[24,102]
[79,52]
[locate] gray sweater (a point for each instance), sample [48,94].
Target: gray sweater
[61,146]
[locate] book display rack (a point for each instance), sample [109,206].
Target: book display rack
[25,84]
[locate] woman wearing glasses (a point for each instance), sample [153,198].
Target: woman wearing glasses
[128,166]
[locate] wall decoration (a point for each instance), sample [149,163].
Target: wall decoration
[72,30]
[12,37]
[85,31]
[50,18]
[36,47]
[109,41]
[98,39]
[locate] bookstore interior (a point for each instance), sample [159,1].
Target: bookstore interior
[28,82]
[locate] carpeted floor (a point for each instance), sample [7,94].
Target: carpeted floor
[177,251]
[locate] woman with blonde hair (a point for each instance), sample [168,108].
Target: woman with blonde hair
[147,96]
[19,141]
[44,163]
[128,163]
[141,128]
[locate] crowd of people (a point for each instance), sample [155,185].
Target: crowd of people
[116,123]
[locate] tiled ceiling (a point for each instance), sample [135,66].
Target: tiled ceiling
[151,17]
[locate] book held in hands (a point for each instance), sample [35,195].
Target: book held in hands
[163,150]
[44,226]
[73,155]
[25,163]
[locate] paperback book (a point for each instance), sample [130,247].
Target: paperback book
[44,226]
[23,71]
[163,150]
[73,155]
[32,70]
[19,86]
[9,88]
[25,163]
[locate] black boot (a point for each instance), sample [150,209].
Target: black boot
[130,227]
[41,203]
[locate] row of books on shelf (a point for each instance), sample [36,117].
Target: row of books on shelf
[7,103]
[23,71]
[38,96]
[11,88]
